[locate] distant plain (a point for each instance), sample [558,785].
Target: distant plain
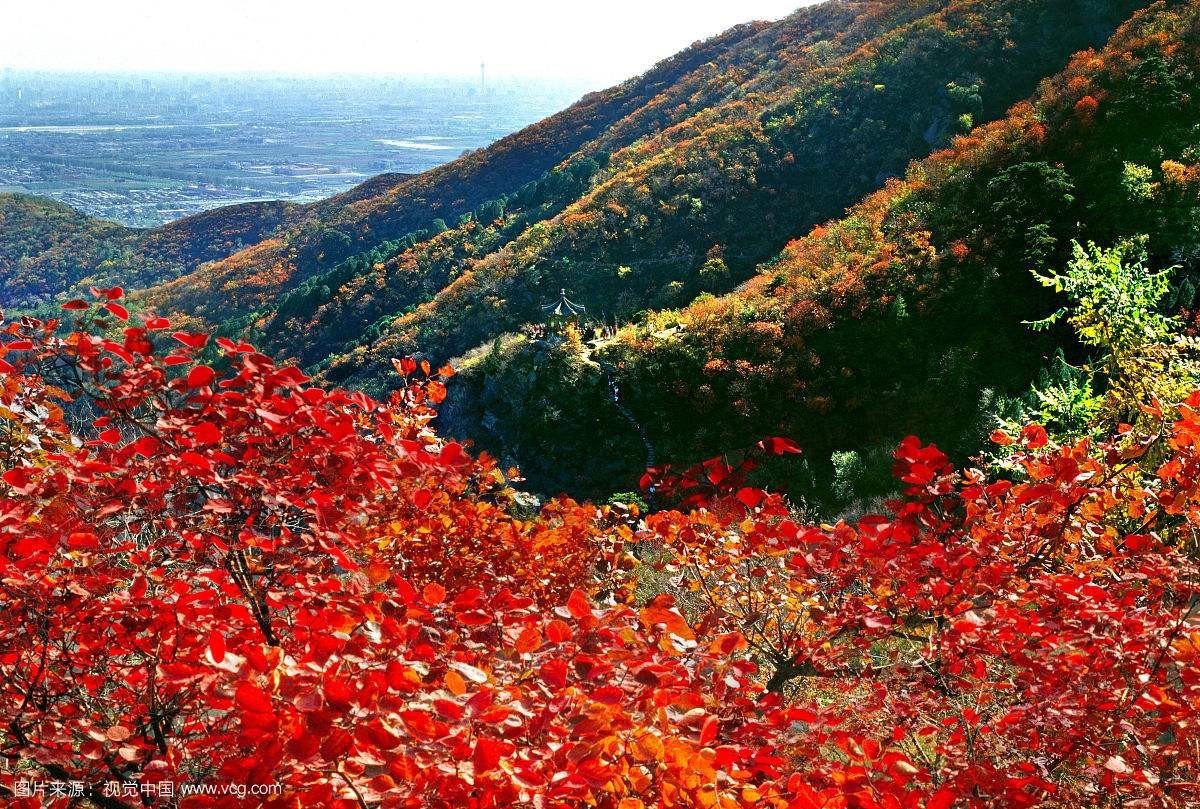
[147,149]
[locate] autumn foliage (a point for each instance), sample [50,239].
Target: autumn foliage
[213,571]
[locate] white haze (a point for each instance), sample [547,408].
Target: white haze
[595,41]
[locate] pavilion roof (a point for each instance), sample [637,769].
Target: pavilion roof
[563,307]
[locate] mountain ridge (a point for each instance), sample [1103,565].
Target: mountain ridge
[722,157]
[904,316]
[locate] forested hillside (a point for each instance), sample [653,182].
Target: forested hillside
[357,223]
[629,194]
[47,248]
[904,316]
[646,200]
[688,194]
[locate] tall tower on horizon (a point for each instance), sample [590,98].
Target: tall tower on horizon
[482,77]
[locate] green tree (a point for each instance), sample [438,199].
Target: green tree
[1142,360]
[1028,205]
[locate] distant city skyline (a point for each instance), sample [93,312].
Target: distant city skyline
[598,43]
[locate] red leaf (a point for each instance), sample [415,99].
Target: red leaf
[942,799]
[118,733]
[779,446]
[669,619]
[728,643]
[205,433]
[82,541]
[191,340]
[216,646]
[75,305]
[195,459]
[452,454]
[117,310]
[1001,438]
[558,632]
[528,641]
[338,693]
[578,605]
[487,754]
[145,446]
[1034,436]
[253,699]
[609,695]
[434,593]
[750,498]
[421,724]
[448,708]
[474,618]
[19,478]
[200,376]
[554,672]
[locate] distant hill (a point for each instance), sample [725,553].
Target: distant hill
[48,248]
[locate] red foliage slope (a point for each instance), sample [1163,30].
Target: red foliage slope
[235,577]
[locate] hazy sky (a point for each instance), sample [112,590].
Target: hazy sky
[596,40]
